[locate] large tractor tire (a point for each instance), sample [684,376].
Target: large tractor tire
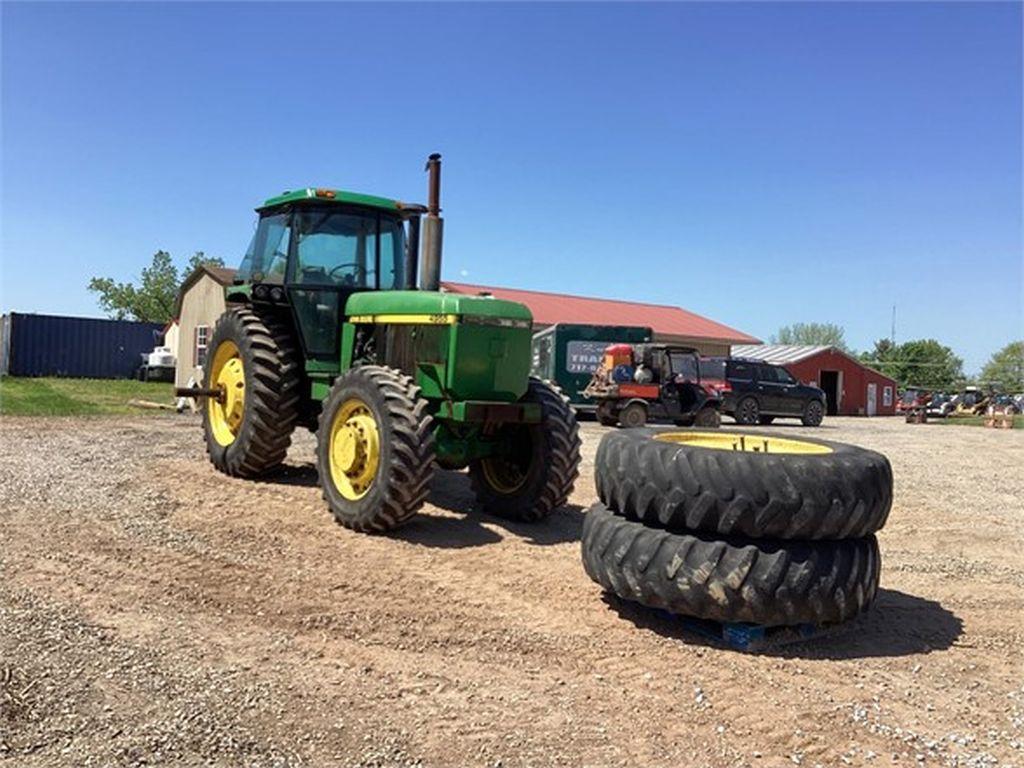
[256,366]
[375,449]
[537,471]
[770,583]
[753,485]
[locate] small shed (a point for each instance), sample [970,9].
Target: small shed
[200,303]
[851,388]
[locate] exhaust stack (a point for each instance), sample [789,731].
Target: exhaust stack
[433,227]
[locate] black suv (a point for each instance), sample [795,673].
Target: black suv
[754,392]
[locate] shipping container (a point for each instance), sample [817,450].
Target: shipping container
[568,354]
[79,347]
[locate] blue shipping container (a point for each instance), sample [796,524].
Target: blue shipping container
[79,347]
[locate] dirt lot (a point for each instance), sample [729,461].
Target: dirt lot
[153,611]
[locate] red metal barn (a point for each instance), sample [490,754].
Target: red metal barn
[852,388]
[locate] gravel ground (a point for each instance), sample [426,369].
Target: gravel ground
[155,612]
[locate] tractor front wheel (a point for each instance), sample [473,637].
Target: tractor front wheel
[375,449]
[255,367]
[538,464]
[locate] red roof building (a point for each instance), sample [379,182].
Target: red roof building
[670,324]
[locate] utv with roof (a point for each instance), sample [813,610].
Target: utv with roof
[644,382]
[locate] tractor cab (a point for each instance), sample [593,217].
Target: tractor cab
[314,248]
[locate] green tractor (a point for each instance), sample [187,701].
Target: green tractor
[328,329]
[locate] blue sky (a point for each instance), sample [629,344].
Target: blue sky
[761,164]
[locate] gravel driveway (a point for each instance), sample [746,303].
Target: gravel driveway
[154,611]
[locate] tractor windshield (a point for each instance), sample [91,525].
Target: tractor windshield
[348,249]
[330,247]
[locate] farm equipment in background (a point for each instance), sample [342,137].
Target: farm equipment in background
[939,406]
[636,383]
[972,401]
[568,354]
[328,329]
[912,398]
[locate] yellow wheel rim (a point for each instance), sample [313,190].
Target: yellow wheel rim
[354,449]
[502,475]
[228,375]
[731,441]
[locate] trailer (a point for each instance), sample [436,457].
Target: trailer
[568,354]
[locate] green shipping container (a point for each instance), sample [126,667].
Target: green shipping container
[568,355]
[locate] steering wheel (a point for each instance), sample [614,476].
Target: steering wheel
[331,272]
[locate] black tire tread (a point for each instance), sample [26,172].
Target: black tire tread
[273,377]
[410,434]
[561,432]
[765,583]
[845,494]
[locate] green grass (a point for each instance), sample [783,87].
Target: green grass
[78,397]
[975,421]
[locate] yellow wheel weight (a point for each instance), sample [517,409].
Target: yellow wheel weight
[730,441]
[354,452]
[227,374]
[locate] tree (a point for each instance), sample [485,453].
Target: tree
[923,362]
[1006,368]
[152,300]
[811,333]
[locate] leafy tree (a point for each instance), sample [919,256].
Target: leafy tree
[152,299]
[1006,368]
[923,362]
[811,333]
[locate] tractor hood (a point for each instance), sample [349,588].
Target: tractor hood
[432,307]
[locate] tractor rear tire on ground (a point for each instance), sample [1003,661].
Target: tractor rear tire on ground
[632,416]
[770,583]
[708,418]
[814,413]
[747,412]
[375,449]
[537,478]
[799,489]
[248,432]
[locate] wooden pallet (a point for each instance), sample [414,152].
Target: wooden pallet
[751,637]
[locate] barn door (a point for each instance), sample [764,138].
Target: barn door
[872,398]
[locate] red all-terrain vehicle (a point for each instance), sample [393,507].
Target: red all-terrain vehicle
[637,383]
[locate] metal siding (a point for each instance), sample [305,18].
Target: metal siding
[49,345]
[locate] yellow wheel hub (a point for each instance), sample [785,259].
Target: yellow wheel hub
[228,375]
[502,475]
[354,452]
[731,441]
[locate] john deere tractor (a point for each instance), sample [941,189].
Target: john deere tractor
[328,329]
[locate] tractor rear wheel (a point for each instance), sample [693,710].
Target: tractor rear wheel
[375,449]
[537,471]
[256,367]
